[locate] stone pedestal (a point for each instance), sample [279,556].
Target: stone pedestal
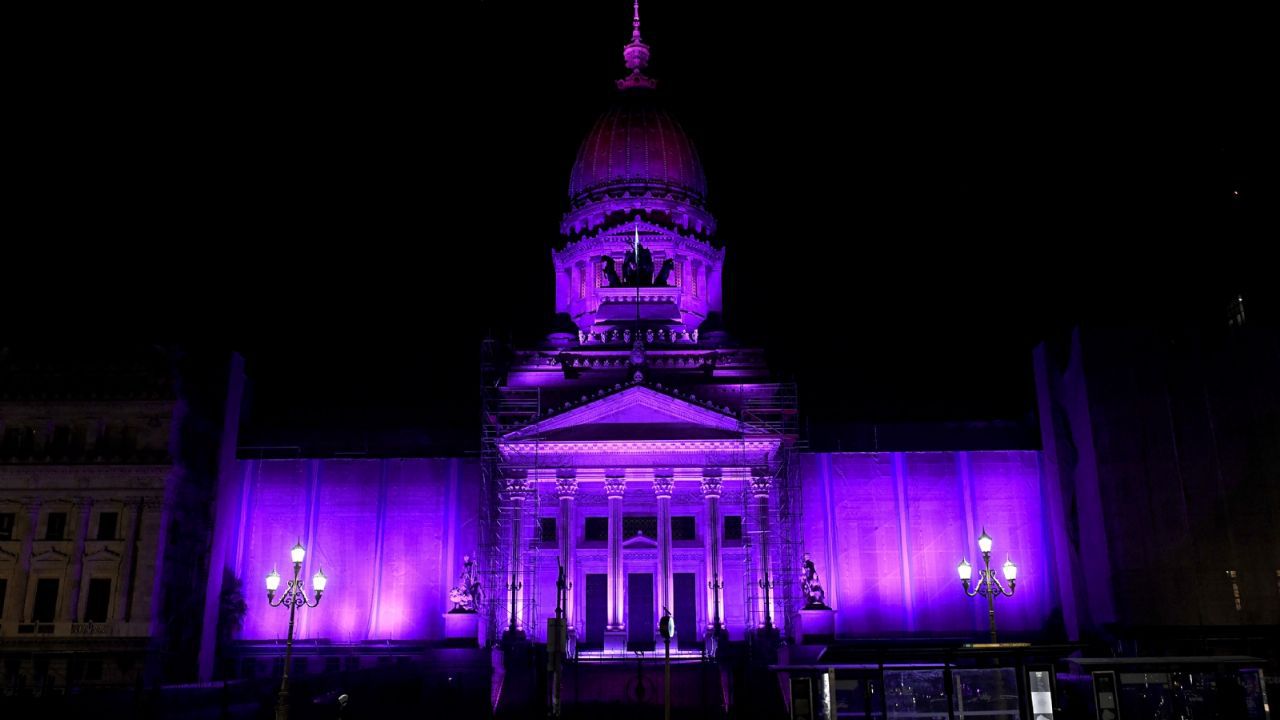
[462,629]
[817,626]
[615,641]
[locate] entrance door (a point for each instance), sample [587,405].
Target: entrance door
[686,610]
[641,623]
[596,597]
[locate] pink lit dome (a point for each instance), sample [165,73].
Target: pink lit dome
[637,161]
[636,146]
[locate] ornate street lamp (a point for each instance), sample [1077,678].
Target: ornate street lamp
[988,584]
[766,584]
[715,585]
[295,596]
[514,586]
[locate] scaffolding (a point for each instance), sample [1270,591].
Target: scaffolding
[774,408]
[504,519]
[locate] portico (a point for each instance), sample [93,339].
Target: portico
[634,481]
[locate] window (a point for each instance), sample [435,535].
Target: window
[99,601]
[56,526]
[46,604]
[7,521]
[9,446]
[682,528]
[597,529]
[107,522]
[547,529]
[639,526]
[26,442]
[60,442]
[732,527]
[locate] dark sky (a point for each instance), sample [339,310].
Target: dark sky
[909,202]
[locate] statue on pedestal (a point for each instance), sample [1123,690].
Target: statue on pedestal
[466,595]
[815,597]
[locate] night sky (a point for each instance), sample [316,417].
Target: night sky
[909,202]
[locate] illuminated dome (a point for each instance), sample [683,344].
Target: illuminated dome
[636,146]
[637,161]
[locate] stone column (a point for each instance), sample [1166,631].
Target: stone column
[80,515]
[131,519]
[761,481]
[615,635]
[712,532]
[28,535]
[566,491]
[662,487]
[515,489]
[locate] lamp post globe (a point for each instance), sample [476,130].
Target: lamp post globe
[984,542]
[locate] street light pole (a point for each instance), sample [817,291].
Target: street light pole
[988,584]
[295,596]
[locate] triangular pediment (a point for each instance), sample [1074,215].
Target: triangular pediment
[48,554]
[102,553]
[637,412]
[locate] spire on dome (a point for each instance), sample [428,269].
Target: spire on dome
[636,56]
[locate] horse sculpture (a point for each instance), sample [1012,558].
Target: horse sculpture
[664,272]
[611,271]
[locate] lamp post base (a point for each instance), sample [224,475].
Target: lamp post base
[513,637]
[282,705]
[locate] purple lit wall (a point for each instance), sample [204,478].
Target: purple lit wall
[887,530]
[389,534]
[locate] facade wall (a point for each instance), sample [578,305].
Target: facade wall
[100,461]
[85,551]
[389,534]
[886,531]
